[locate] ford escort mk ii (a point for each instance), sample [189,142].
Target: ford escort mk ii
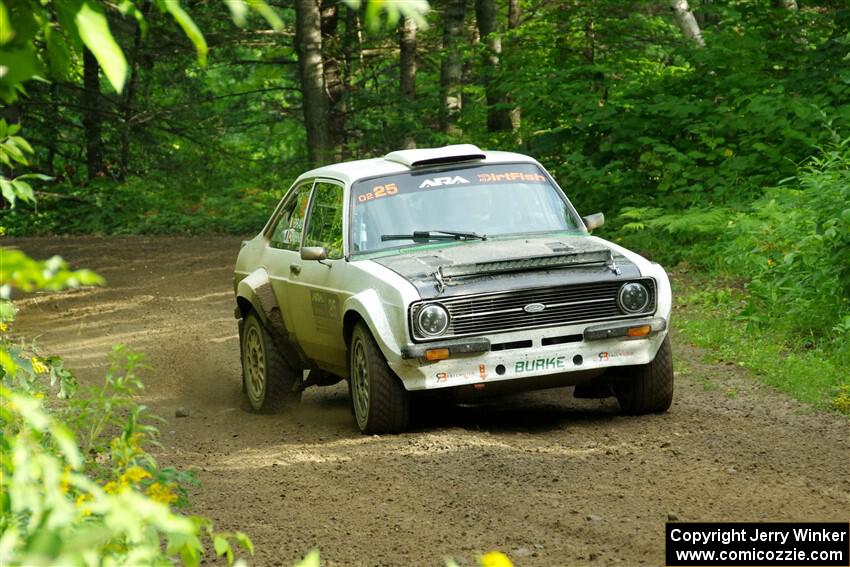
[450,271]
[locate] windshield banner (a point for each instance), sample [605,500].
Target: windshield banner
[469,176]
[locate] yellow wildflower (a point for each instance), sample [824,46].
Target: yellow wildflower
[65,481]
[81,501]
[134,475]
[111,487]
[162,493]
[728,153]
[495,559]
[39,395]
[38,366]
[4,327]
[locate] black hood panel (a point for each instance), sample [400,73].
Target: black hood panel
[419,267]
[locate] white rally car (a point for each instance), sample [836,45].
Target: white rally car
[450,270]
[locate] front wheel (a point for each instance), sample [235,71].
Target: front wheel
[266,377]
[648,388]
[380,402]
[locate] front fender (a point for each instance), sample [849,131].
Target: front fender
[368,305]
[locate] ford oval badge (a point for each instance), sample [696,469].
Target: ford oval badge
[534,308]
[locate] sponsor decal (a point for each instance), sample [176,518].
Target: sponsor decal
[511,176]
[325,311]
[609,356]
[540,364]
[441,181]
[325,305]
[443,377]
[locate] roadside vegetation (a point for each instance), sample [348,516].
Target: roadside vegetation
[79,484]
[767,286]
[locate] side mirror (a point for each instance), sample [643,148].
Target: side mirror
[314,253]
[594,221]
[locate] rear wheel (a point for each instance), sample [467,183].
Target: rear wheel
[380,402]
[267,379]
[648,388]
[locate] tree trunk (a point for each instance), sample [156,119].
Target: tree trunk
[513,23]
[308,39]
[90,104]
[52,132]
[787,4]
[498,113]
[407,77]
[351,48]
[687,22]
[451,70]
[127,102]
[335,86]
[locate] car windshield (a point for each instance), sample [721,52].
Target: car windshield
[492,200]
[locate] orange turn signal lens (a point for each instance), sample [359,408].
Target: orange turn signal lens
[641,331]
[437,354]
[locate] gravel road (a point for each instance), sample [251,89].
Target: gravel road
[546,478]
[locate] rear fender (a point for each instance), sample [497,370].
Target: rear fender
[256,290]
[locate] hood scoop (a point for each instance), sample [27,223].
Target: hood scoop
[565,259]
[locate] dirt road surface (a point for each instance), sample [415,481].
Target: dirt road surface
[548,479]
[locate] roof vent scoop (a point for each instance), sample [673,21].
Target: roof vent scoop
[435,156]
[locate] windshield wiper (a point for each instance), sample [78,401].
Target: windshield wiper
[428,235]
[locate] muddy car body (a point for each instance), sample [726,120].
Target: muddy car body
[447,270]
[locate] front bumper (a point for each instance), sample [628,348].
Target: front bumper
[591,350]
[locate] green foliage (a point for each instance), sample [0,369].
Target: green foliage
[794,244]
[811,371]
[147,206]
[70,497]
[626,113]
[14,151]
[791,246]
[392,11]
[39,36]
[19,271]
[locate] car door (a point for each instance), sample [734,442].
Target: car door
[318,287]
[283,252]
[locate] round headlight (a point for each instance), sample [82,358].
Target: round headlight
[433,320]
[633,297]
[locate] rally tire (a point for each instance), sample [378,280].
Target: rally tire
[378,399]
[268,382]
[648,388]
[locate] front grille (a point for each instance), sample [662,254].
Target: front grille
[504,311]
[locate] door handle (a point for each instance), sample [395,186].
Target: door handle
[295,268]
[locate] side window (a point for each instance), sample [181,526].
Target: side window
[290,223]
[325,225]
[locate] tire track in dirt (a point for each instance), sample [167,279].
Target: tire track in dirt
[546,478]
